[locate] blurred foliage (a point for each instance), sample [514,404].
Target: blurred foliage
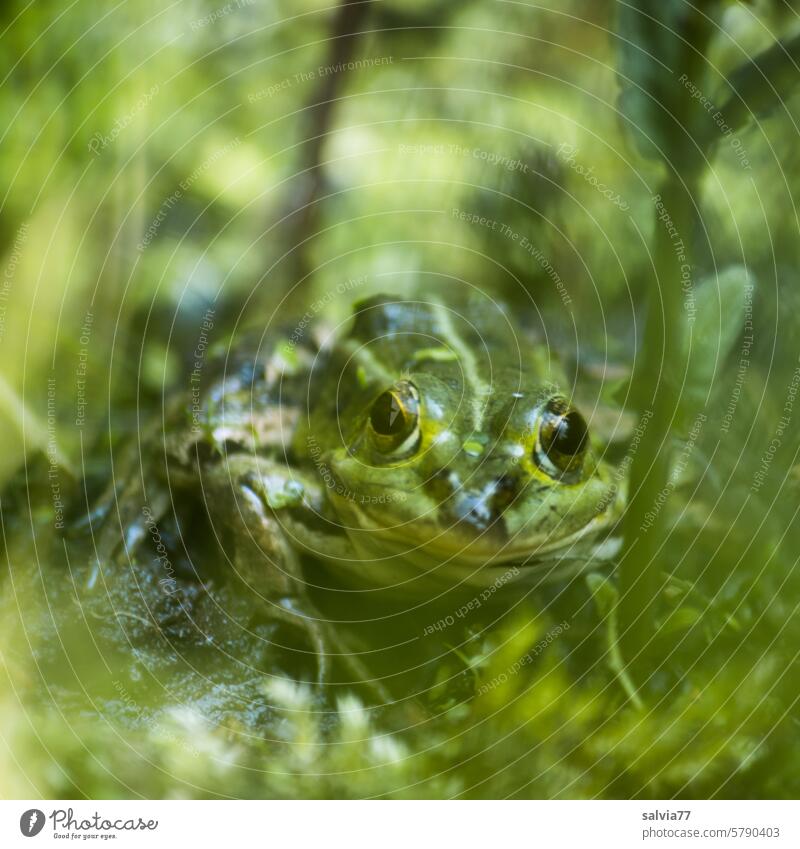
[149,168]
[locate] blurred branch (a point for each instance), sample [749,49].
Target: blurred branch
[344,38]
[761,84]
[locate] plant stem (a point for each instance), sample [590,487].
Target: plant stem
[348,21]
[658,390]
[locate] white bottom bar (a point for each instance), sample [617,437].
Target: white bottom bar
[418,825]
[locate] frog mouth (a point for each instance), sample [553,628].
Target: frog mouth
[475,534]
[464,544]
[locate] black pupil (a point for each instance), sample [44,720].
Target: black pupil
[569,434]
[387,417]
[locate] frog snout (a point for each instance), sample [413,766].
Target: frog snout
[475,509]
[481,508]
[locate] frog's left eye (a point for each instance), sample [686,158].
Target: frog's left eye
[563,439]
[394,418]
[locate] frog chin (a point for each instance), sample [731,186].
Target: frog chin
[488,549]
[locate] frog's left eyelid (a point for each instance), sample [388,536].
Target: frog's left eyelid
[409,445]
[544,463]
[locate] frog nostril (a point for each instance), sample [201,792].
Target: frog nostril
[442,484]
[506,489]
[473,508]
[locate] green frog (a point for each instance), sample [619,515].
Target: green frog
[424,447]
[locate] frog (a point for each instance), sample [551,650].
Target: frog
[424,446]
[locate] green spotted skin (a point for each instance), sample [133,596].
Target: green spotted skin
[465,479]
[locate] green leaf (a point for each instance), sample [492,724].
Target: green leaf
[716,309]
[679,621]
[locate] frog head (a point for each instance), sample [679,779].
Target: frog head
[453,443]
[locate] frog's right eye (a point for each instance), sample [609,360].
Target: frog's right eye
[394,419]
[563,439]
